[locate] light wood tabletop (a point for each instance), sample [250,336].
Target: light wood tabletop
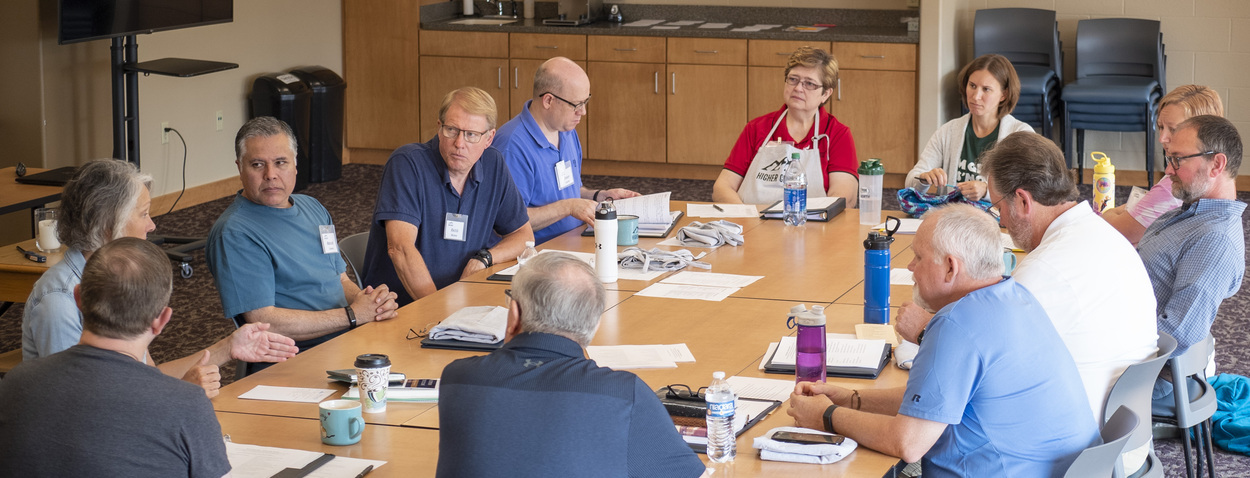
[816,264]
[18,274]
[15,196]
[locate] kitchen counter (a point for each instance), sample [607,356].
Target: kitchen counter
[872,26]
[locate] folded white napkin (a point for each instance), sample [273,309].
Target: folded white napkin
[905,353]
[484,324]
[658,260]
[711,234]
[774,450]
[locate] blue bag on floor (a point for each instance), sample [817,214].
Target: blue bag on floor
[1230,426]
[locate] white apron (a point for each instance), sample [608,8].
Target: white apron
[762,183]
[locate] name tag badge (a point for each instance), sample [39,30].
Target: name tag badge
[329,242]
[564,174]
[454,226]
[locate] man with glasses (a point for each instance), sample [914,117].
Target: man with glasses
[544,154]
[443,203]
[1195,254]
[539,407]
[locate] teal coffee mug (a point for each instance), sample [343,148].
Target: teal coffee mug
[1009,262]
[341,422]
[626,230]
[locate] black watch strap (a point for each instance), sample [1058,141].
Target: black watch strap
[351,317]
[920,337]
[829,419]
[485,256]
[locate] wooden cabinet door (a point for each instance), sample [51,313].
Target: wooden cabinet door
[880,109]
[442,74]
[627,115]
[707,109]
[522,86]
[380,65]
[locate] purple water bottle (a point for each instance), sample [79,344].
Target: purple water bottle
[810,347]
[877,274]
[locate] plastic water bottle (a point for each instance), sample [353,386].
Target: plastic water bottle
[605,242]
[877,278]
[871,172]
[1104,182]
[795,182]
[527,254]
[722,443]
[810,347]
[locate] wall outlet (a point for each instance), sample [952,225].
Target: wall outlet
[164,133]
[221,120]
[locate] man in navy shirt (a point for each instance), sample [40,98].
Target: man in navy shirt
[545,156]
[443,203]
[539,407]
[993,390]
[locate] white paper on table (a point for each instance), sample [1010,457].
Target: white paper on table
[650,208]
[684,291]
[639,356]
[763,26]
[761,388]
[665,27]
[883,332]
[685,23]
[711,279]
[840,352]
[901,277]
[1008,243]
[589,258]
[726,210]
[287,394]
[643,23]
[248,461]
[772,347]
[715,25]
[906,225]
[1133,196]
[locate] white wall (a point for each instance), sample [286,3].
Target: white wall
[265,37]
[1207,41]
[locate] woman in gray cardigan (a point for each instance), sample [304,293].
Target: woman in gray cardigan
[989,88]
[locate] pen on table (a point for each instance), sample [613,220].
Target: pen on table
[718,208]
[366,472]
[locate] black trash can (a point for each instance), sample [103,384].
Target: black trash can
[285,97]
[325,122]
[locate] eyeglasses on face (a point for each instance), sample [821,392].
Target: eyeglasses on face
[993,210]
[451,132]
[576,106]
[1175,161]
[508,293]
[807,85]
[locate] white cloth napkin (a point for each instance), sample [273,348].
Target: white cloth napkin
[658,260]
[774,450]
[905,353]
[485,324]
[711,234]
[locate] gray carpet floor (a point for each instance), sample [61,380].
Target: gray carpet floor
[198,319]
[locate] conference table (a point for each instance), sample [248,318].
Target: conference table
[17,274]
[815,264]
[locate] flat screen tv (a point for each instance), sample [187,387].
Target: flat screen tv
[84,20]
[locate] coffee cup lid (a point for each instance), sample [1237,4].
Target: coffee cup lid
[372,361]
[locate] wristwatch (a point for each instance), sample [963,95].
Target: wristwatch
[484,256]
[829,418]
[351,317]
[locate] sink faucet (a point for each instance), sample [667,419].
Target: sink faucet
[498,8]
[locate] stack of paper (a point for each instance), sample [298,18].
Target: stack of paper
[248,461]
[708,286]
[619,357]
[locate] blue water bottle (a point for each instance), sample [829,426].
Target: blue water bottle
[877,273]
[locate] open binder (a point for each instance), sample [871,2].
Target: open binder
[834,371]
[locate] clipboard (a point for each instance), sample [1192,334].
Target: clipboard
[449,344]
[751,421]
[834,371]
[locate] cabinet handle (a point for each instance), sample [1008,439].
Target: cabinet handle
[499,77]
[516,78]
[657,82]
[873,57]
[705,51]
[547,47]
[625,49]
[674,83]
[839,89]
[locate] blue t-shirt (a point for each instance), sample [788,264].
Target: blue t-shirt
[263,256]
[416,189]
[538,407]
[994,369]
[532,161]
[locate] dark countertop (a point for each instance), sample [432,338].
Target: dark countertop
[872,26]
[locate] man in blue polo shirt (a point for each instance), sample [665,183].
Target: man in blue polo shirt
[539,407]
[444,202]
[545,156]
[993,390]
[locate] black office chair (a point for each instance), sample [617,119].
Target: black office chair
[1120,67]
[1029,37]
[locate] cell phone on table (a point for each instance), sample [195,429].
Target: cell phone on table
[807,438]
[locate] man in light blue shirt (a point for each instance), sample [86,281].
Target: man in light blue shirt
[544,154]
[992,391]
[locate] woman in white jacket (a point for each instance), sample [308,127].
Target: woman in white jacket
[989,88]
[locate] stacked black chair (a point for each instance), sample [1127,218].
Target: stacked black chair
[1029,37]
[1119,82]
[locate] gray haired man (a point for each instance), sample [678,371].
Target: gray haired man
[585,420]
